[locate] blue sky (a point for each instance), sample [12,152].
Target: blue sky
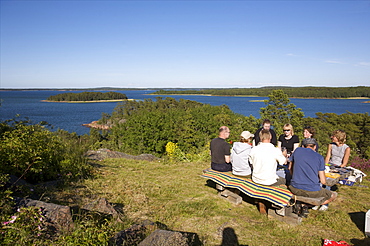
[184,44]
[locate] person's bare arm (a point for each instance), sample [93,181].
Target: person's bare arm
[322,177]
[296,145]
[328,154]
[227,158]
[346,157]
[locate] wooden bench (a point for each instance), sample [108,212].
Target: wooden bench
[274,201]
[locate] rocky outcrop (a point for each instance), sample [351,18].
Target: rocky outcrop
[59,217]
[102,154]
[163,237]
[102,206]
[134,234]
[96,125]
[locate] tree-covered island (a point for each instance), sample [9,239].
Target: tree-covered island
[87,97]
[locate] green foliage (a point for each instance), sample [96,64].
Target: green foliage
[280,111]
[356,126]
[26,227]
[88,232]
[36,154]
[147,126]
[6,199]
[87,96]
[30,150]
[307,92]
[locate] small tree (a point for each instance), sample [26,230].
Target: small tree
[280,111]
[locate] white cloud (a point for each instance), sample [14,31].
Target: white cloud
[334,62]
[363,64]
[290,54]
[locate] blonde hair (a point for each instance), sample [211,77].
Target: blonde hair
[265,134]
[290,127]
[340,135]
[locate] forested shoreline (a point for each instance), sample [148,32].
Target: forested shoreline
[292,92]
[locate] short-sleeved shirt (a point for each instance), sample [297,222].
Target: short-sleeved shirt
[264,158]
[219,148]
[288,143]
[306,167]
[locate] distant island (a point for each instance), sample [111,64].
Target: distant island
[87,97]
[358,92]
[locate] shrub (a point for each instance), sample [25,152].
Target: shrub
[360,163]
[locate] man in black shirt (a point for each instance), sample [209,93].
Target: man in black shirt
[220,151]
[266,124]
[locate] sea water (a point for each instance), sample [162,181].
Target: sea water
[71,116]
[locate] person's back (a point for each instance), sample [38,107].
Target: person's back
[308,172]
[240,154]
[307,164]
[264,158]
[239,158]
[220,151]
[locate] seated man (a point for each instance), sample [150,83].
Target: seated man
[220,151]
[308,168]
[264,158]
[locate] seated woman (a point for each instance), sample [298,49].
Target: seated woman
[240,153]
[309,132]
[338,152]
[288,141]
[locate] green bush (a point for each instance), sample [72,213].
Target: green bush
[147,126]
[36,154]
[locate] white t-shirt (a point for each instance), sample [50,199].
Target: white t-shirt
[264,158]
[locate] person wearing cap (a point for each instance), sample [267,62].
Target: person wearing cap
[240,153]
[220,151]
[264,159]
[308,174]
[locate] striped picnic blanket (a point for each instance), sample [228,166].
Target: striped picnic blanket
[278,195]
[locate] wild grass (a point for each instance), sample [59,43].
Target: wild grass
[176,195]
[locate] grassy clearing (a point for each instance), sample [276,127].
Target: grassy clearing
[176,195]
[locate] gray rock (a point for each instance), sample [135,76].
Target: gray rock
[170,238]
[57,215]
[133,235]
[102,205]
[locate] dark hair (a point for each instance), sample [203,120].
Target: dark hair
[266,121]
[311,130]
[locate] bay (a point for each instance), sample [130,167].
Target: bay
[71,116]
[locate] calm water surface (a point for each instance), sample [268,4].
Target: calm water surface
[71,116]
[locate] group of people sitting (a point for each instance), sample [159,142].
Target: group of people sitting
[258,156]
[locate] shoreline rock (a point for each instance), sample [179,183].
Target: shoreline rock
[94,124]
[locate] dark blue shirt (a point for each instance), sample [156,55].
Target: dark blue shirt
[306,166]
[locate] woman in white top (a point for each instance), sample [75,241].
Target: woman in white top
[338,152]
[240,153]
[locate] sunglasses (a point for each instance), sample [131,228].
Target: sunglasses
[286,130]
